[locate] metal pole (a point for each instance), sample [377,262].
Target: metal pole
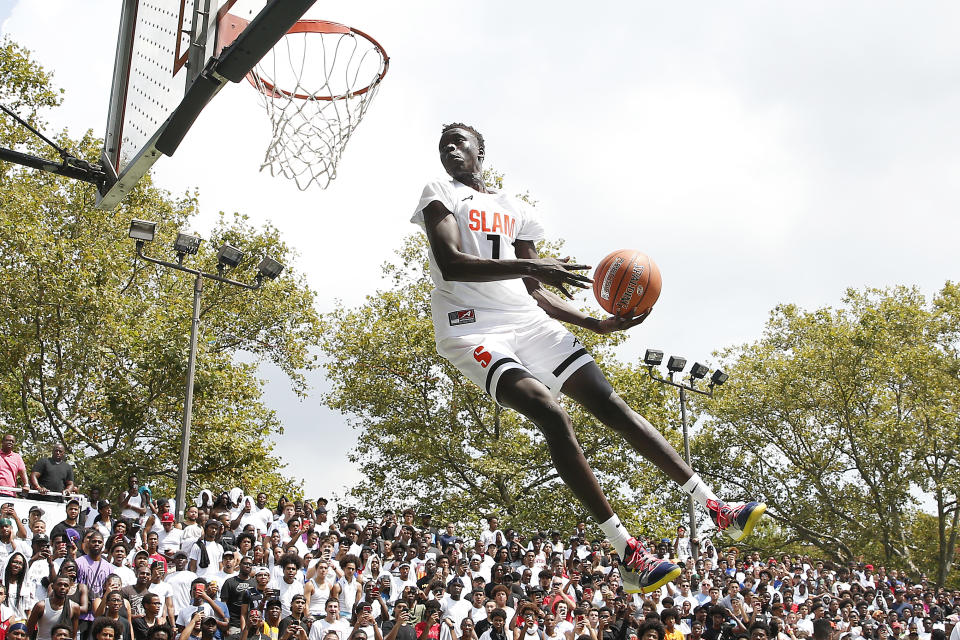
[188,403]
[694,550]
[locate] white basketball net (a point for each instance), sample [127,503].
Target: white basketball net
[309,85]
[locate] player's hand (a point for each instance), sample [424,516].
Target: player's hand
[618,323]
[560,274]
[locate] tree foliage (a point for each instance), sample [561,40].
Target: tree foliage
[93,343]
[840,417]
[429,437]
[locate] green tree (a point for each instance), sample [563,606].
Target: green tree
[837,416]
[429,437]
[93,343]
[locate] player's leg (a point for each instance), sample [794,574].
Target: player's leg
[518,389]
[590,388]
[521,391]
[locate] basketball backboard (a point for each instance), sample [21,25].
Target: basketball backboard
[166,71]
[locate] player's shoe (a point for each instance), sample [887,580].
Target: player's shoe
[736,519]
[643,572]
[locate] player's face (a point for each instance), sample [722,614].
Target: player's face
[460,153]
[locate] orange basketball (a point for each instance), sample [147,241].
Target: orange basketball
[627,283]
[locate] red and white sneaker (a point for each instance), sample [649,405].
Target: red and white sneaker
[643,572]
[736,519]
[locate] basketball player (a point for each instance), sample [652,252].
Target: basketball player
[496,322]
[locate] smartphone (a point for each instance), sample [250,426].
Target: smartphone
[367,608]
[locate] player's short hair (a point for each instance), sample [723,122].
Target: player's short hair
[480,142]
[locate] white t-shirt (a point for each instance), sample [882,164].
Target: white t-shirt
[287,591]
[319,628]
[184,615]
[214,553]
[127,576]
[179,582]
[134,501]
[170,539]
[489,224]
[163,590]
[456,610]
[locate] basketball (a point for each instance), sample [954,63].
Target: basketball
[627,283]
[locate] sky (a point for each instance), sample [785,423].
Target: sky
[761,153]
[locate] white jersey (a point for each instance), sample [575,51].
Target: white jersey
[489,225]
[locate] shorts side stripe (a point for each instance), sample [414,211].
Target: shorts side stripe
[566,363]
[496,365]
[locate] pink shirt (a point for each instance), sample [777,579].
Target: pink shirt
[10,466]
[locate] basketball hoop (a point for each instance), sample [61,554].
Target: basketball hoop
[316,85]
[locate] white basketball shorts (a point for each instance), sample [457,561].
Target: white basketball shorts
[545,349]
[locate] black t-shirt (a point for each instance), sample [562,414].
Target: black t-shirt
[256,598]
[53,475]
[228,540]
[306,622]
[140,628]
[234,593]
[61,528]
[406,632]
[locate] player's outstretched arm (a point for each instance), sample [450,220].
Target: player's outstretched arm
[455,265]
[558,307]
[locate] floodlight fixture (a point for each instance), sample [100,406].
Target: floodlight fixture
[143,230]
[186,244]
[698,371]
[718,378]
[653,357]
[676,363]
[229,255]
[269,268]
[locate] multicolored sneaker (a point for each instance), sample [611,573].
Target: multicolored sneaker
[737,519]
[643,572]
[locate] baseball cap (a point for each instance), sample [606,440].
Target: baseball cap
[260,570]
[36,509]
[869,567]
[40,540]
[179,554]
[167,517]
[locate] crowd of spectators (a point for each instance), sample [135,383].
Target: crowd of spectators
[236,567]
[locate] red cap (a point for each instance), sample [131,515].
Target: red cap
[167,517]
[868,567]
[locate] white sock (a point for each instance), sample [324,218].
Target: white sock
[696,487]
[617,534]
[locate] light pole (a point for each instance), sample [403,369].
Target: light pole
[227,257]
[653,358]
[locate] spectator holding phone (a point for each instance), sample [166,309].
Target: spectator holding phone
[199,627]
[298,618]
[429,628]
[364,625]
[202,603]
